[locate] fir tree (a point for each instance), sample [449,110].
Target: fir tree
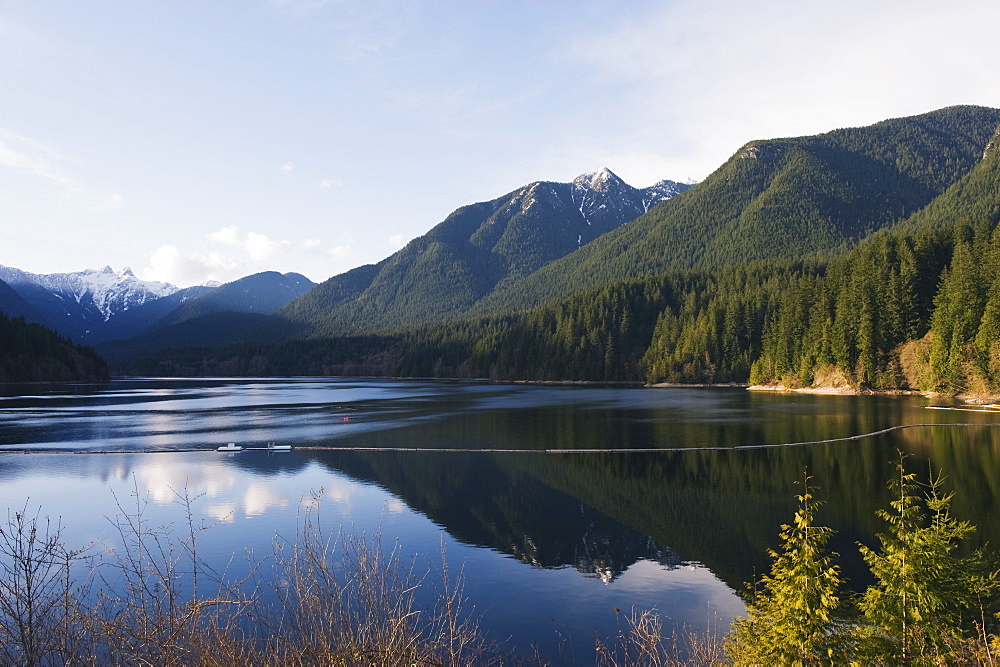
[923,590]
[789,619]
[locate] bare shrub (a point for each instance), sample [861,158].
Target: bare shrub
[39,613]
[641,641]
[152,609]
[155,600]
[346,599]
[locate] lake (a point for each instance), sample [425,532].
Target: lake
[551,544]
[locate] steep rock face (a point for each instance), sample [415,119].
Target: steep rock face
[74,303]
[474,251]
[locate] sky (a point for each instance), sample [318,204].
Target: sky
[196,140]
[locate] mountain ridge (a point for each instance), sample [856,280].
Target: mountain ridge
[97,305]
[73,303]
[777,198]
[478,248]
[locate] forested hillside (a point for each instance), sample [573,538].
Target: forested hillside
[32,353]
[778,199]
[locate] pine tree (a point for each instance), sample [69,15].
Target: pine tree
[923,590]
[789,619]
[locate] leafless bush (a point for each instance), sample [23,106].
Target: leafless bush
[154,600]
[152,609]
[346,599]
[641,641]
[39,612]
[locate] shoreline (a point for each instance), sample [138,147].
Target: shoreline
[847,390]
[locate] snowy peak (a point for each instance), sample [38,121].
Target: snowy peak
[604,181]
[662,191]
[602,198]
[74,302]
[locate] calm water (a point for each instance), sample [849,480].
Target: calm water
[551,544]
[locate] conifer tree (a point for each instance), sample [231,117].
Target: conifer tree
[789,619]
[959,305]
[923,590]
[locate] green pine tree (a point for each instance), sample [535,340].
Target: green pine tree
[924,592]
[789,618]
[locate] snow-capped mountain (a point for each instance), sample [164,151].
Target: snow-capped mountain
[94,306]
[603,196]
[73,303]
[475,251]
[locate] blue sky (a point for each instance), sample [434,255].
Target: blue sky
[198,140]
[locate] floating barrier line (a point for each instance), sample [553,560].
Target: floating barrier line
[496,450]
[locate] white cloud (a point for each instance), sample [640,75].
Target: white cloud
[330,183]
[695,81]
[397,241]
[339,251]
[287,167]
[169,264]
[260,247]
[226,235]
[19,152]
[310,244]
[241,255]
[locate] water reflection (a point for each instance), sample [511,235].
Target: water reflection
[576,535]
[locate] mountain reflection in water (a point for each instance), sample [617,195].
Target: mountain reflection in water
[679,531]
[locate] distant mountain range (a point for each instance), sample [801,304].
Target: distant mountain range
[93,306]
[74,303]
[478,250]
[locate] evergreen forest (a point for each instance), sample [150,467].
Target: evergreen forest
[31,353]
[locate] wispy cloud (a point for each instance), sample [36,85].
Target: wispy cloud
[241,255]
[339,251]
[696,80]
[226,235]
[258,247]
[286,168]
[357,29]
[39,159]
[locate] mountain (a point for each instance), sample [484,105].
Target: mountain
[13,304]
[476,250]
[212,330]
[96,306]
[777,199]
[74,303]
[260,293]
[134,321]
[975,197]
